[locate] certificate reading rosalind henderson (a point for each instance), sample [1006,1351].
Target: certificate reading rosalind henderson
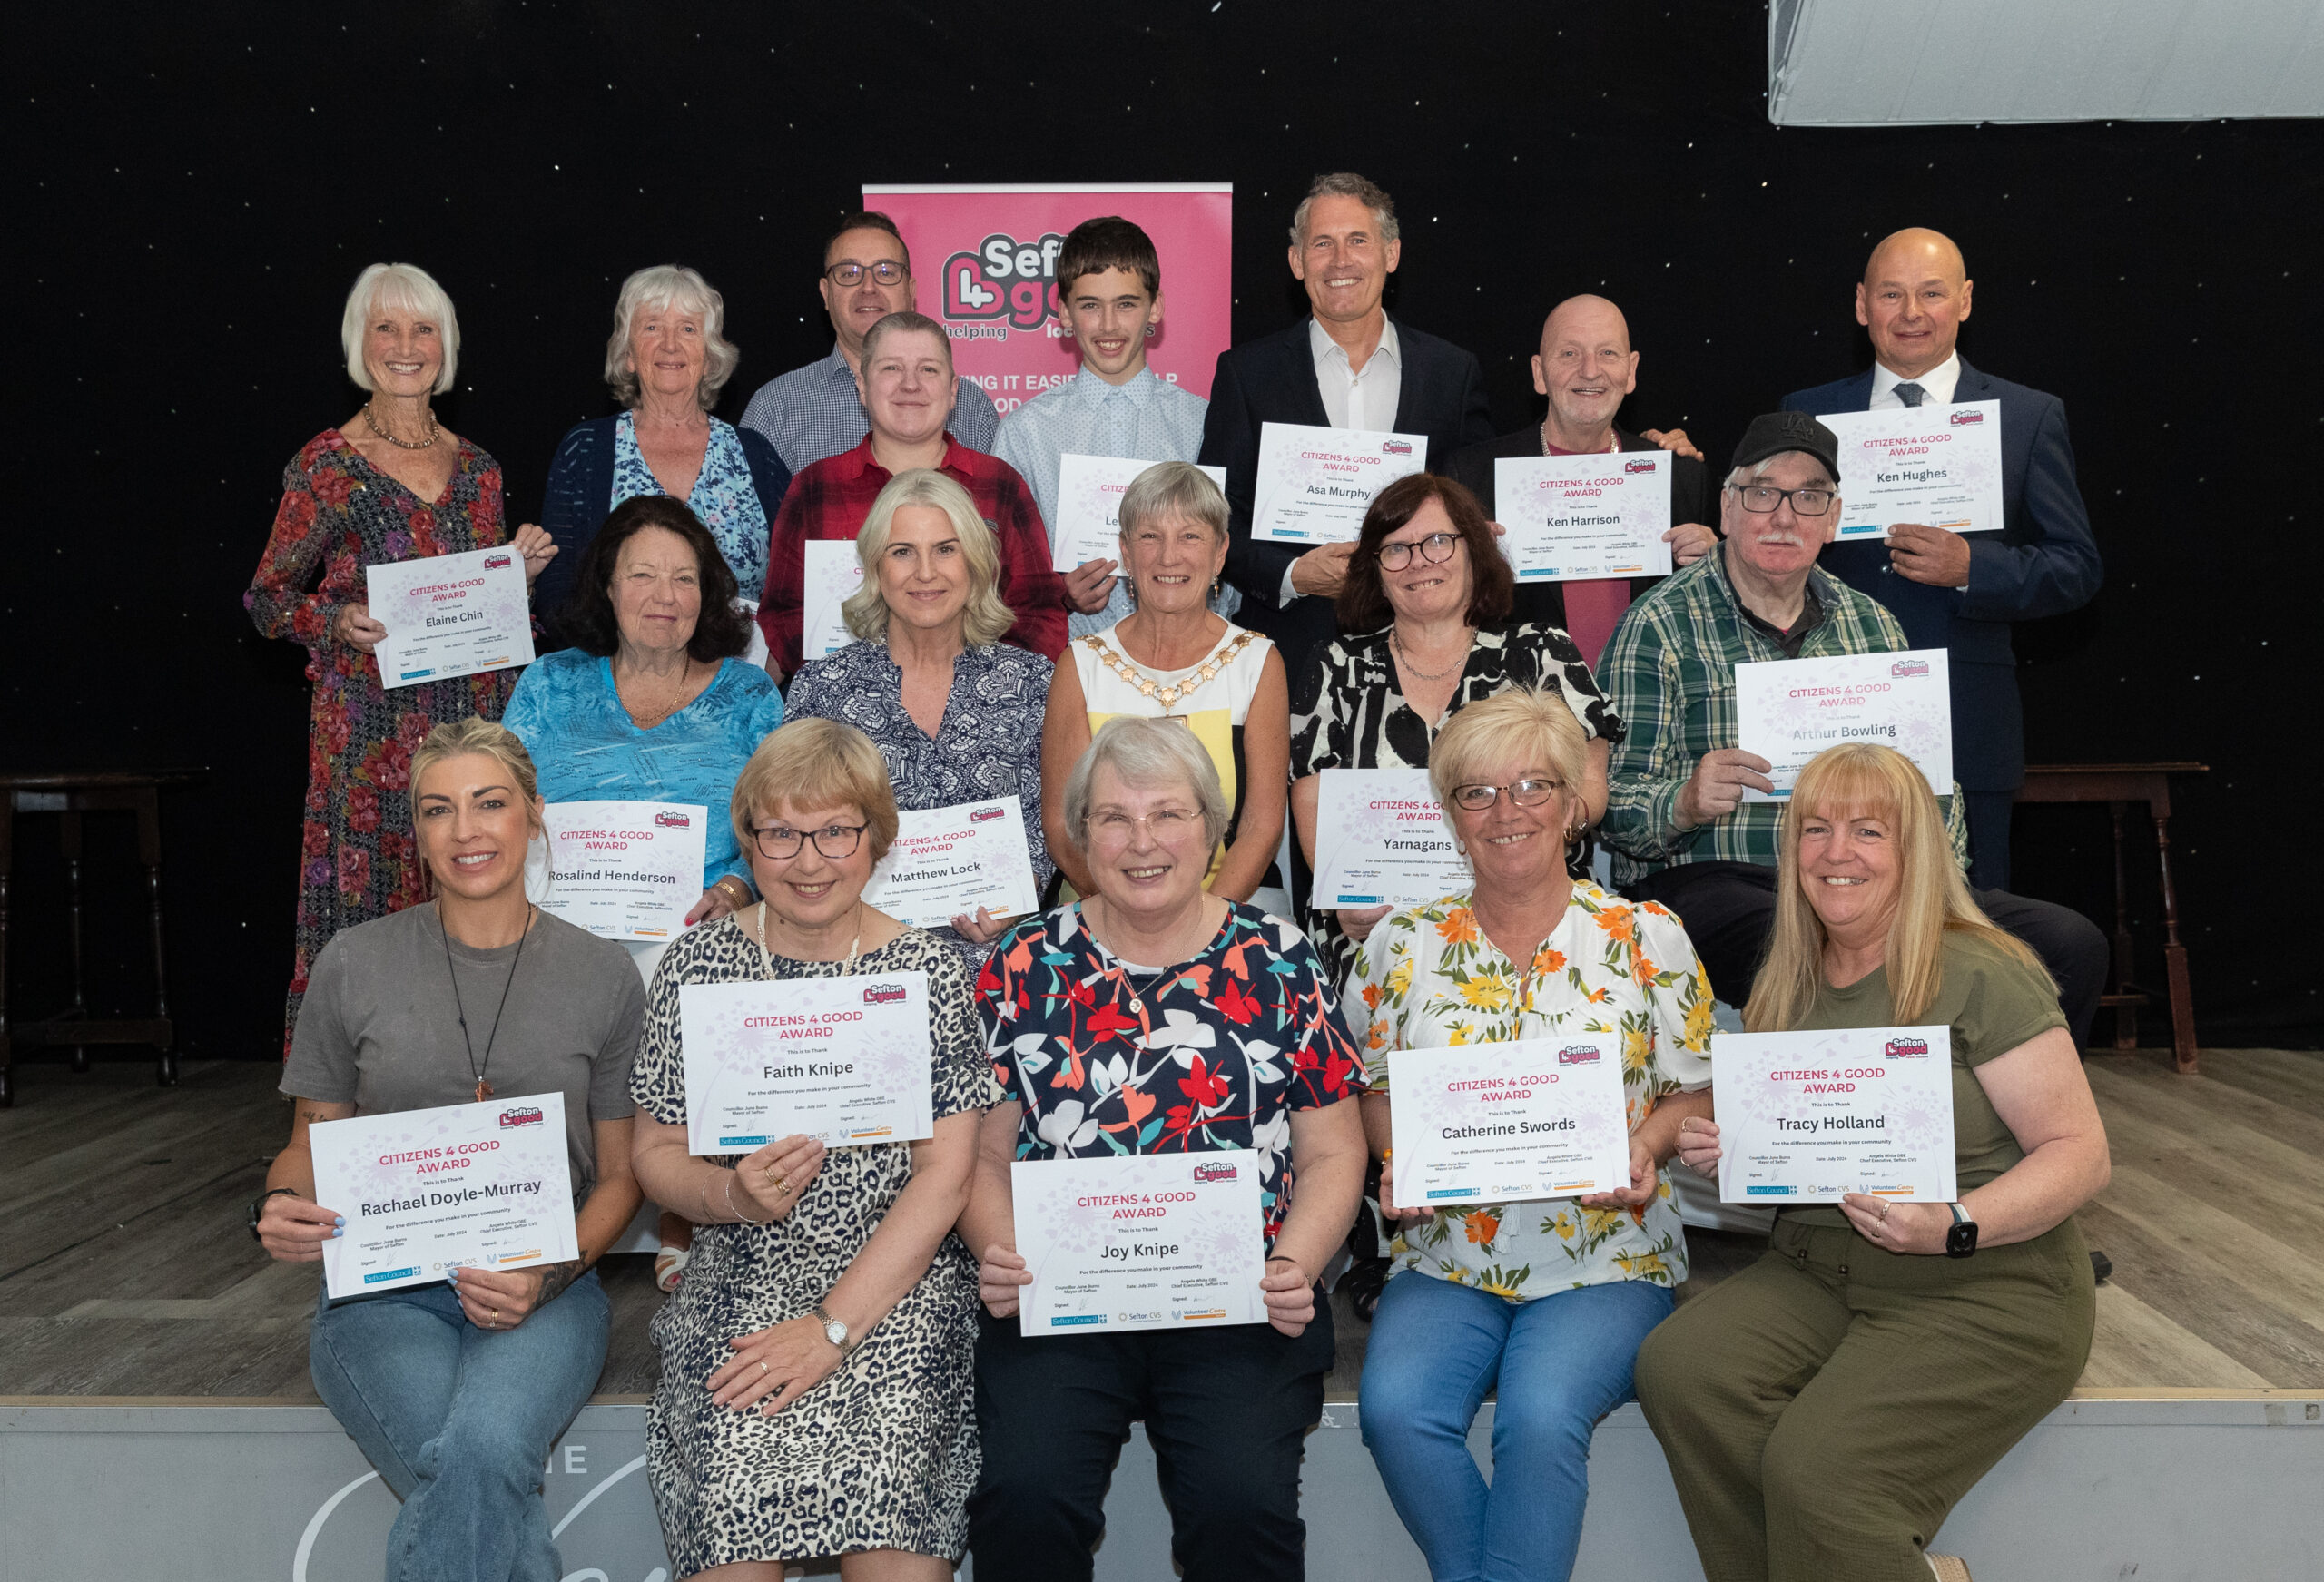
[449,615]
[1140,1242]
[464,1185]
[1502,1123]
[1809,1117]
[844,1060]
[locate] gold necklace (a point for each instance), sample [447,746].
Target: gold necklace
[644,722]
[1405,658]
[435,431]
[1168,692]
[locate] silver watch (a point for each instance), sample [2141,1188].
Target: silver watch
[833,1331]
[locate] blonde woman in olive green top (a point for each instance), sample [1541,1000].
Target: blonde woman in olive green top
[1823,1410]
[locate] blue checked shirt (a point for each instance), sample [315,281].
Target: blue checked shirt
[813,412]
[1147,420]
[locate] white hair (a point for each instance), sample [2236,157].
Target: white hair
[406,289]
[1147,752]
[664,286]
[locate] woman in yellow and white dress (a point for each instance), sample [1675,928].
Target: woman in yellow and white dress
[1172,658]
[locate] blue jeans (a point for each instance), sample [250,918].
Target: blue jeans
[1561,1362]
[460,1421]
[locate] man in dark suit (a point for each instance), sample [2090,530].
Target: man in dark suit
[1349,366]
[1948,591]
[1586,366]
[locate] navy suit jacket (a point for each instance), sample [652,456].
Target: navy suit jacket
[2044,562]
[1441,393]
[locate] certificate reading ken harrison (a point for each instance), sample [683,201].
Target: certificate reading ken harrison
[1141,1242]
[1314,485]
[449,615]
[463,1185]
[1809,1117]
[1506,1123]
[843,1060]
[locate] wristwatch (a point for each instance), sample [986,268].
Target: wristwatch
[1961,1240]
[833,1331]
[258,1207]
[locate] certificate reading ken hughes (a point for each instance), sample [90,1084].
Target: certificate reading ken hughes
[1809,1117]
[1141,1242]
[843,1060]
[464,1185]
[449,615]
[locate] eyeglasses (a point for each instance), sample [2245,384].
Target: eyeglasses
[1116,829]
[1434,548]
[848,274]
[777,843]
[1524,793]
[1759,499]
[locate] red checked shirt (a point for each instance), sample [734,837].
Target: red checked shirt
[831,497]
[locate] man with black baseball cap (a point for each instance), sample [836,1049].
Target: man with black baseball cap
[1680,831]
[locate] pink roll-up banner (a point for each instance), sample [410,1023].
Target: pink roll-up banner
[985,261]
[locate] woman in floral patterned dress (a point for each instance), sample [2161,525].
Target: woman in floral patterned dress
[1545,1301]
[390,484]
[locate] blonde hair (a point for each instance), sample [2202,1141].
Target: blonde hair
[1860,780]
[660,285]
[986,618]
[1516,724]
[815,762]
[487,738]
[409,288]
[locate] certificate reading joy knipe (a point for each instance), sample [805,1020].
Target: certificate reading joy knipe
[949,860]
[1938,466]
[833,573]
[1572,516]
[1315,483]
[844,1060]
[1504,1123]
[625,871]
[462,1186]
[1140,1242]
[1089,490]
[1809,1117]
[1789,710]
[449,615]
[1381,840]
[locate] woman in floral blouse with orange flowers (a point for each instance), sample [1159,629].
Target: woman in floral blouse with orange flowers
[390,484]
[1546,1301]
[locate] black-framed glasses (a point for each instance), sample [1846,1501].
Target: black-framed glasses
[1524,793]
[1761,499]
[848,274]
[1436,548]
[779,841]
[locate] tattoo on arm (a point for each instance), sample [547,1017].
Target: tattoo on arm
[554,1278]
[311,1114]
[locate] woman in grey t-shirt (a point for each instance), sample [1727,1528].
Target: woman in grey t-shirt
[455,1392]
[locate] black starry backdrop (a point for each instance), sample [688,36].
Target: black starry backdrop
[194,189]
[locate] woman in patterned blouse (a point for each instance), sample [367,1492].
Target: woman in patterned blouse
[1545,1301]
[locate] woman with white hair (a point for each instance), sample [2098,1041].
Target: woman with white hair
[666,363]
[390,484]
[956,711]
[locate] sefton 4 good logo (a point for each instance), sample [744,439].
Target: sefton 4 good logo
[1004,278]
[1966,419]
[981,815]
[1909,667]
[1214,1173]
[1640,466]
[1578,1055]
[495,562]
[884,994]
[520,1116]
[1905,1049]
[673,820]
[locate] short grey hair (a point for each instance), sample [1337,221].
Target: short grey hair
[1346,184]
[663,286]
[1174,489]
[906,322]
[404,288]
[1146,752]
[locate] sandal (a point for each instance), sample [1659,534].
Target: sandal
[669,1268]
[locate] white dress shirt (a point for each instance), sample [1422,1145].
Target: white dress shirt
[1363,399]
[1938,384]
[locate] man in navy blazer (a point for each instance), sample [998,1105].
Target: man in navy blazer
[1953,592]
[1349,366]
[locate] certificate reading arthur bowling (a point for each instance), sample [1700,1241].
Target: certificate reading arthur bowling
[1572,516]
[1505,1122]
[1142,1242]
[1809,1117]
[449,615]
[1938,466]
[625,871]
[1315,483]
[844,1060]
[1789,710]
[1381,840]
[465,1185]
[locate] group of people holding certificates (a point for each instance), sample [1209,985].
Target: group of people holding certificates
[1015,998]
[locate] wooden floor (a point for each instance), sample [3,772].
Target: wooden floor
[125,1269]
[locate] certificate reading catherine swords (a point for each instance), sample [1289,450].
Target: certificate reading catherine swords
[1789,710]
[449,615]
[465,1185]
[1381,841]
[1573,516]
[1315,483]
[1809,1117]
[1938,466]
[1142,1242]
[843,1060]
[949,860]
[1504,1123]
[625,871]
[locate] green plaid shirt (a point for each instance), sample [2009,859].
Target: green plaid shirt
[1669,671]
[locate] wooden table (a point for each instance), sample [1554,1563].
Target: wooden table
[73,795]
[2119,785]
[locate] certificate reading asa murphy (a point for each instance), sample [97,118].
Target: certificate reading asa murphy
[1141,1242]
[449,615]
[1789,710]
[950,860]
[1503,1122]
[1314,485]
[625,871]
[463,1185]
[1381,840]
[1809,1117]
[844,1060]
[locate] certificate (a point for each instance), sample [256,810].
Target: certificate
[844,1060]
[1572,516]
[1140,1242]
[1788,710]
[625,871]
[833,573]
[1381,838]
[1809,1117]
[1315,483]
[1501,1123]
[449,615]
[949,860]
[1089,490]
[467,1185]
[1938,466]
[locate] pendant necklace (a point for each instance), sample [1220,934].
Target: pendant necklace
[854,949]
[483,1088]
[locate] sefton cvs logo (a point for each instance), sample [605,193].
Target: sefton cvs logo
[521,1115]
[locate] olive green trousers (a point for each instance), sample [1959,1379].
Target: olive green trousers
[1824,1409]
